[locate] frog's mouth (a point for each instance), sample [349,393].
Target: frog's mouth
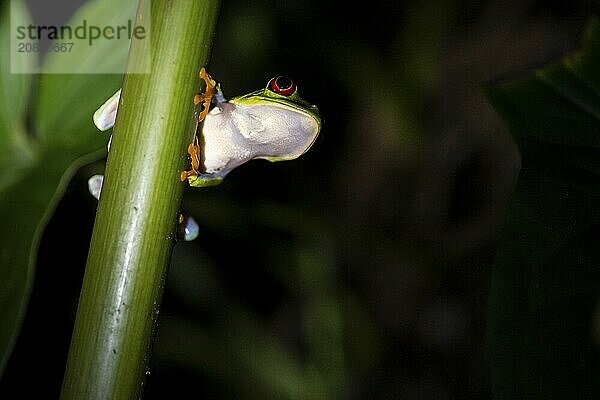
[258,97]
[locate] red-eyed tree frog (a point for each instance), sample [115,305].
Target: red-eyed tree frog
[273,123]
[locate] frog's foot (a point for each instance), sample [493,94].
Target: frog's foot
[194,152]
[95,185]
[187,227]
[206,97]
[105,116]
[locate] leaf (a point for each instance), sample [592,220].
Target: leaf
[14,157]
[14,142]
[37,166]
[546,277]
[86,92]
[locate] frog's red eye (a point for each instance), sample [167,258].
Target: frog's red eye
[282,85]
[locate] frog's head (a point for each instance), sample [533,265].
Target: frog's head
[291,124]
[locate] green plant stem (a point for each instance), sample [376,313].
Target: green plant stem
[137,214]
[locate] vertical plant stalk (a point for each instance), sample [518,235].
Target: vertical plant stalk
[137,214]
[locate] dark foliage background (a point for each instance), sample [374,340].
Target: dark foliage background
[362,269]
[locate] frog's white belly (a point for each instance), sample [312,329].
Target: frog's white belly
[235,133]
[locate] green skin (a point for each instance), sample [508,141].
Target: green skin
[290,105]
[294,101]
[203,181]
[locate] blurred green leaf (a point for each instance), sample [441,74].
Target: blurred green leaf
[546,278]
[37,166]
[83,93]
[15,151]
[14,156]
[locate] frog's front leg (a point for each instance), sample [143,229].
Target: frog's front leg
[204,99]
[194,153]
